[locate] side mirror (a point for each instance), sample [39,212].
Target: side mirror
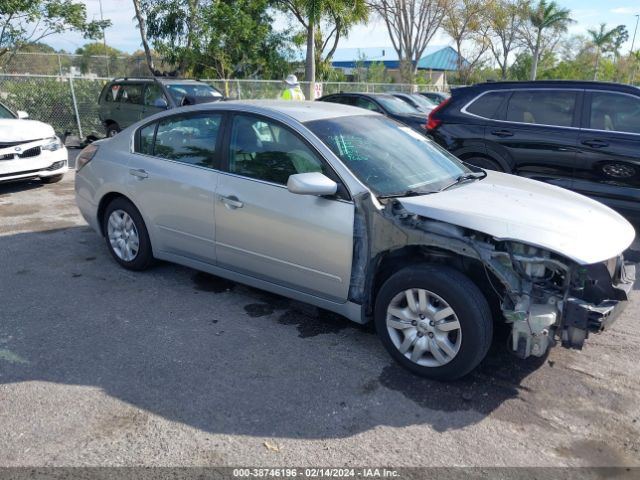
[22,114]
[160,103]
[312,183]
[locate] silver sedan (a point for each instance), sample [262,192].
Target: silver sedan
[357,214]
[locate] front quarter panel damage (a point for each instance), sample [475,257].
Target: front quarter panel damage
[543,295]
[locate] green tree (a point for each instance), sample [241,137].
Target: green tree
[377,73]
[223,38]
[324,23]
[98,58]
[601,40]
[546,21]
[466,23]
[30,21]
[504,19]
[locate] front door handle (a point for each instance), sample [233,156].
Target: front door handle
[139,173]
[595,143]
[231,202]
[502,133]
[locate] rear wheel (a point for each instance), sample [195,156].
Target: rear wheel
[112,130]
[126,235]
[52,178]
[434,321]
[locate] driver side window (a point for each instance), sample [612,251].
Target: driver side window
[267,151]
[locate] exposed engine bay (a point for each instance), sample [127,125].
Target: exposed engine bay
[544,296]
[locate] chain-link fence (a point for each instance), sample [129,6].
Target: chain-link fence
[70,103]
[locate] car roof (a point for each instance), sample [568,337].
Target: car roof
[157,79]
[306,111]
[586,84]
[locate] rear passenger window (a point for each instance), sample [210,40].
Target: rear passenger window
[190,140]
[131,93]
[542,107]
[368,104]
[487,105]
[615,112]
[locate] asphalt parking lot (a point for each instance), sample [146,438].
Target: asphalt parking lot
[102,366]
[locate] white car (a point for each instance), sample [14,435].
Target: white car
[29,149]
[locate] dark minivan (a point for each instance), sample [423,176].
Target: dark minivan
[124,101]
[584,136]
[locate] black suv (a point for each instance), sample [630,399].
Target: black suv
[383,103]
[584,136]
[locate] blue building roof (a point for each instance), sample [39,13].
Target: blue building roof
[443,59]
[434,57]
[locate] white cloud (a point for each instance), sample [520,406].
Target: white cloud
[626,10]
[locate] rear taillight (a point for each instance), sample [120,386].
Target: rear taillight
[85,156]
[434,122]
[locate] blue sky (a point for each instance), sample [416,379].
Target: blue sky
[125,36]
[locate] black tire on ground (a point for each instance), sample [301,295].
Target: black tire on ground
[52,179]
[112,129]
[468,304]
[144,258]
[485,163]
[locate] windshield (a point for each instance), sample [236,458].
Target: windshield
[395,105]
[424,102]
[195,90]
[386,156]
[5,112]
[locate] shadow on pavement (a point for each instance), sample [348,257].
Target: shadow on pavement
[219,356]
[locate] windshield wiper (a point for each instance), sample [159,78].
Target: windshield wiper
[465,177]
[404,193]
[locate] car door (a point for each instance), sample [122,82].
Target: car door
[608,162]
[302,242]
[129,106]
[174,177]
[537,132]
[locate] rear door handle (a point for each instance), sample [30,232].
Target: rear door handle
[502,133]
[231,202]
[595,143]
[139,173]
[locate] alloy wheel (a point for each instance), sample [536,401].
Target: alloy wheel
[123,235]
[423,327]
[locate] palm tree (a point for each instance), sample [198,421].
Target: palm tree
[340,15]
[601,39]
[543,17]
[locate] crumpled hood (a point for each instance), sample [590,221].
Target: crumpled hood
[515,208]
[14,130]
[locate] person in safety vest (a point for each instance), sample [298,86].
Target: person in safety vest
[292,89]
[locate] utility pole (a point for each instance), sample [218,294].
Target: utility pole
[104,41]
[633,43]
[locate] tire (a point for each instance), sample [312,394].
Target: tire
[485,163]
[127,226]
[444,288]
[112,130]
[52,178]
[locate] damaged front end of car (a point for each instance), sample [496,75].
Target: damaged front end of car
[544,296]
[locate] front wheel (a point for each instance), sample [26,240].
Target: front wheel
[126,235]
[434,321]
[112,130]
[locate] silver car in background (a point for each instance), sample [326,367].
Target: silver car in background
[357,214]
